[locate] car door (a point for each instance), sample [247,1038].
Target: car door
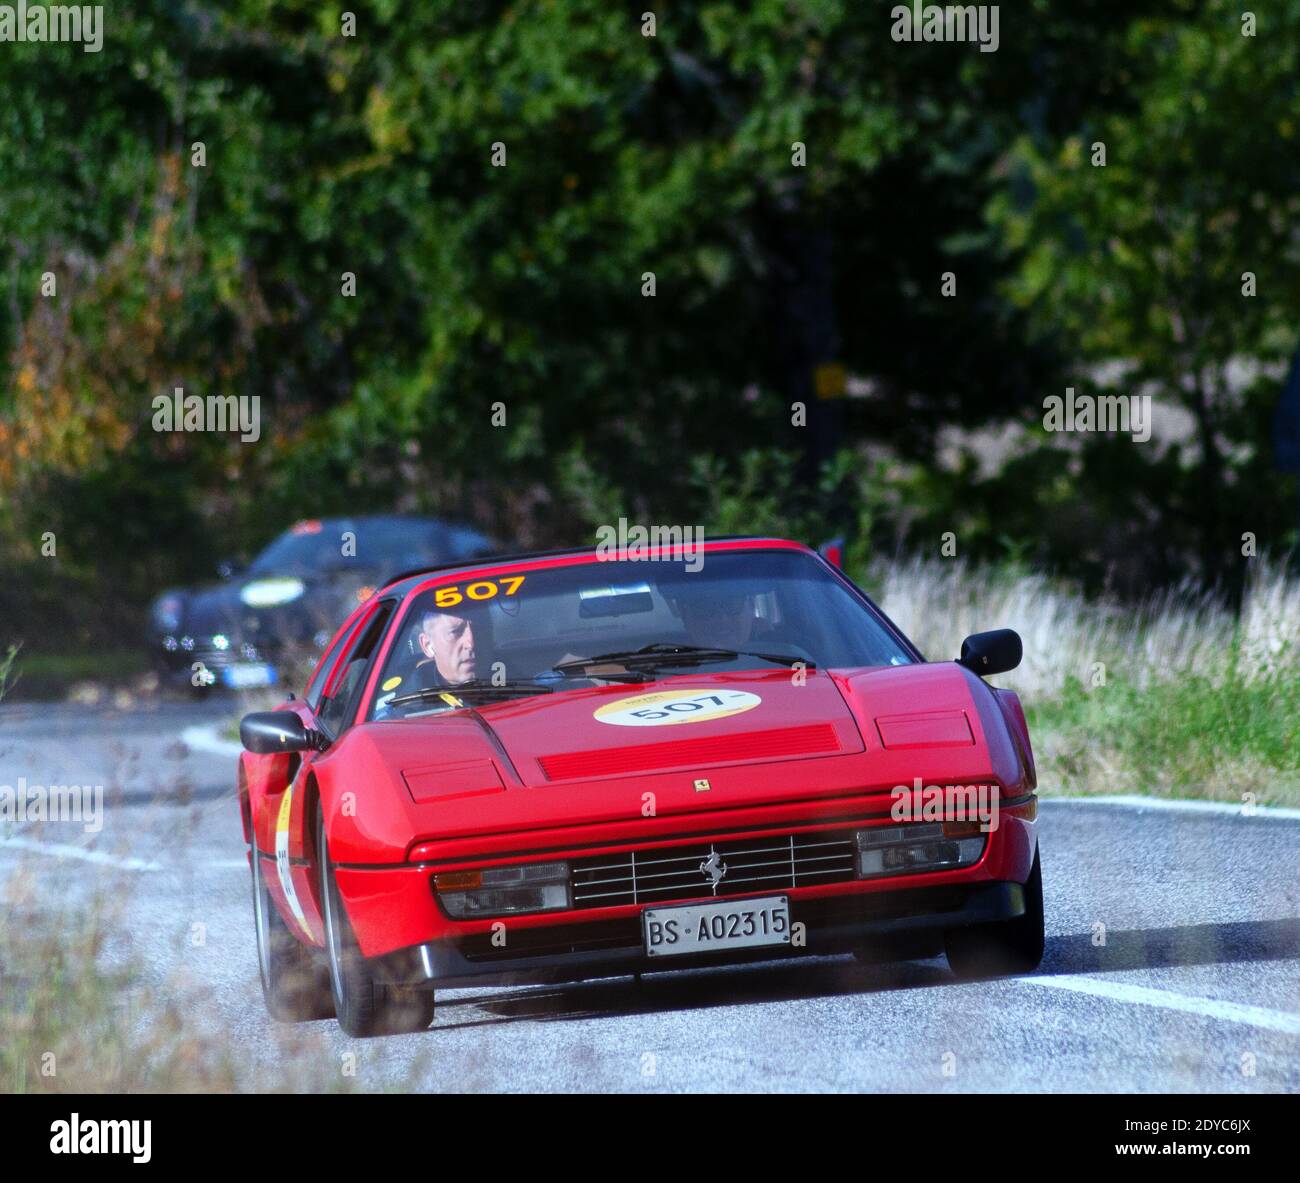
[331,714]
[278,804]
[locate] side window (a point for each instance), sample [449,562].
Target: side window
[340,701]
[324,665]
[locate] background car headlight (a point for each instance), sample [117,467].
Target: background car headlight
[271,593]
[533,887]
[897,850]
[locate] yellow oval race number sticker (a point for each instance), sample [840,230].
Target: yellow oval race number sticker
[666,707]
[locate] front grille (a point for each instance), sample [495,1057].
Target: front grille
[215,659]
[202,649]
[775,863]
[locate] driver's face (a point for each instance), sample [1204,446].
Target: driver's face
[449,640]
[721,620]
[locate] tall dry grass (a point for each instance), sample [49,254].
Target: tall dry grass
[84,1007]
[1177,695]
[1172,634]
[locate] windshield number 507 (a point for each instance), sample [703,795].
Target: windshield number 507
[482,589]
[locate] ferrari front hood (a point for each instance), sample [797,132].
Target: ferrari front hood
[695,743]
[686,722]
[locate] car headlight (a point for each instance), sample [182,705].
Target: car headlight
[497,891]
[166,613]
[271,593]
[898,850]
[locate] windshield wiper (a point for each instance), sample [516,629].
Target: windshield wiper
[660,654]
[478,688]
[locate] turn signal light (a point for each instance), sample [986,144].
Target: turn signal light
[458,880]
[499,891]
[912,848]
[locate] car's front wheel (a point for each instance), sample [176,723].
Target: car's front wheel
[365,1002]
[1006,947]
[295,979]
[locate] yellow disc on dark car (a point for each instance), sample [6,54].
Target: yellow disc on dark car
[667,707]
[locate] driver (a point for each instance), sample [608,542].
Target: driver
[450,653]
[719,617]
[450,657]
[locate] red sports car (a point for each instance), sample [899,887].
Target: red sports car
[583,764]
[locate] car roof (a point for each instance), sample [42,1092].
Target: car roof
[404,583]
[394,518]
[454,534]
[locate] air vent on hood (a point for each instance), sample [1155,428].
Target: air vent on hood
[938,729]
[809,740]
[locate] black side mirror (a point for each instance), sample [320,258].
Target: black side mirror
[992,653]
[267,732]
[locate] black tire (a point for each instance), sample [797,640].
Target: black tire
[364,1001]
[295,978]
[1006,947]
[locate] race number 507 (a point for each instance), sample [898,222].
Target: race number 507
[482,589]
[683,706]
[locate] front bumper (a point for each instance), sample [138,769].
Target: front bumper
[394,909]
[888,926]
[175,659]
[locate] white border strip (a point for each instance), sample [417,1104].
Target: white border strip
[1287,1022]
[1223,808]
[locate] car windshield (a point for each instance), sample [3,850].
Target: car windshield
[380,544]
[505,635]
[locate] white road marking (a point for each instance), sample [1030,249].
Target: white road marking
[207,738]
[1211,1008]
[103,858]
[1227,808]
[60,850]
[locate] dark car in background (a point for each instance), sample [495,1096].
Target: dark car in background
[263,621]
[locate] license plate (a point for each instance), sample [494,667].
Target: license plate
[710,928]
[240,677]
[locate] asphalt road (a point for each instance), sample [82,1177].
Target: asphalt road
[1195,989]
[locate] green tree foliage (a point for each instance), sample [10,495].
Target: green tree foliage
[489,284]
[1178,257]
